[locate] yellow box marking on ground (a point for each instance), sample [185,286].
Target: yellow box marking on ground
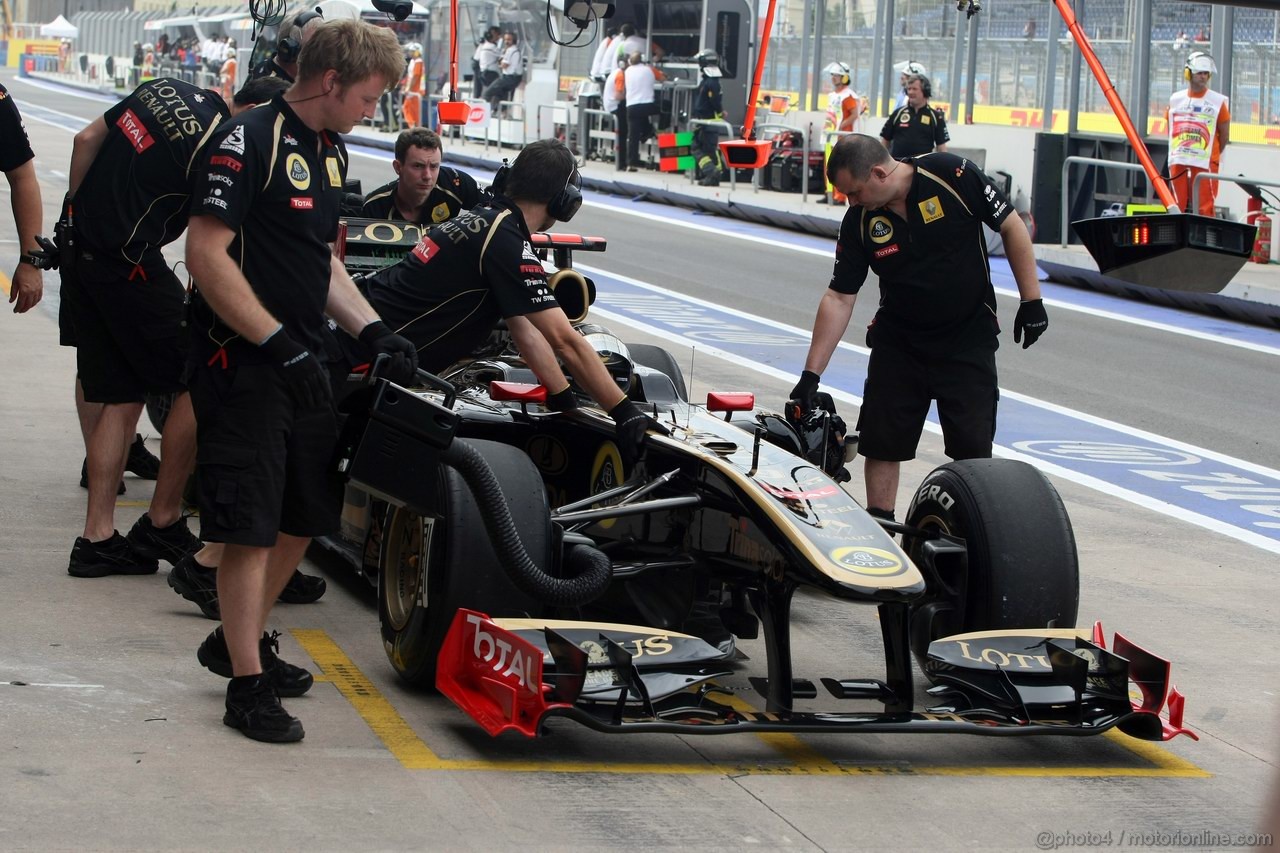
[802,760]
[4,284]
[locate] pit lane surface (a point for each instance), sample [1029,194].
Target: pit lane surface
[114,739]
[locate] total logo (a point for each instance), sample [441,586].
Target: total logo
[507,662]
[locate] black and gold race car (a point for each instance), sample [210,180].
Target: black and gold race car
[523,572]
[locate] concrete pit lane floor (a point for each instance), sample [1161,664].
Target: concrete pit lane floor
[112,734]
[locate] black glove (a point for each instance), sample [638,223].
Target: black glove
[379,339]
[48,256]
[306,377]
[562,401]
[1030,319]
[632,424]
[805,390]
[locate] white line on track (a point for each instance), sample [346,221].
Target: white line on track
[1099,485]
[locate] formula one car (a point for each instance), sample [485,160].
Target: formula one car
[524,572]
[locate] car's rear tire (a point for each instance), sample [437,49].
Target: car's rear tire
[429,567]
[1023,568]
[657,358]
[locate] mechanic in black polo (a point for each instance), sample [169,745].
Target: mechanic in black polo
[17,161]
[447,295]
[917,223]
[129,179]
[264,211]
[424,191]
[916,127]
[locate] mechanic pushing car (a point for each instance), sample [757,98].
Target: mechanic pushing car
[917,223]
[424,191]
[265,209]
[467,273]
[124,308]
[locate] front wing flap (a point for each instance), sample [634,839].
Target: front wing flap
[499,679]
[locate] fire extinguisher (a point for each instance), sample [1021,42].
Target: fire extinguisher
[1262,243]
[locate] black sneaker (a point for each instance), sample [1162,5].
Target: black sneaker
[112,556]
[142,463]
[84,477]
[254,708]
[196,584]
[287,679]
[303,589]
[170,543]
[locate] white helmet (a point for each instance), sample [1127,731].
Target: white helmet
[911,68]
[1200,61]
[838,69]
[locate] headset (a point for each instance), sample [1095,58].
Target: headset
[288,48]
[1199,61]
[838,69]
[562,206]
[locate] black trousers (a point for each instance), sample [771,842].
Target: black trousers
[639,129]
[620,134]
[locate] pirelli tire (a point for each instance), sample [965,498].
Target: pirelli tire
[429,567]
[1022,567]
[659,359]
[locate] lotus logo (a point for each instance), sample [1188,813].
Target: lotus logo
[867,561]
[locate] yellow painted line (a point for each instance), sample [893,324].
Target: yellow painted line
[4,283]
[802,760]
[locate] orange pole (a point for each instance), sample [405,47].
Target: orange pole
[453,50]
[1117,106]
[749,124]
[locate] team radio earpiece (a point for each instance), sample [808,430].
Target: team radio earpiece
[568,200]
[288,48]
[562,206]
[926,88]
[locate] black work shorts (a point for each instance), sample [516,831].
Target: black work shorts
[265,465]
[68,292]
[130,335]
[901,382]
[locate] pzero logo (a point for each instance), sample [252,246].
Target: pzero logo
[880,229]
[234,141]
[230,162]
[135,131]
[1107,453]
[302,203]
[296,168]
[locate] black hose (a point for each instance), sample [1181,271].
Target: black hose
[591,570]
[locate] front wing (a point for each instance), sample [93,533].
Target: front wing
[503,682]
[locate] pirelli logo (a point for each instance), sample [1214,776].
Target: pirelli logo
[135,131]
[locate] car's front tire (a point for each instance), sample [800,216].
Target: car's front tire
[1023,568]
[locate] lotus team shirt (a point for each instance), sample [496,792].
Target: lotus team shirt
[463,276]
[915,132]
[453,193]
[15,148]
[935,280]
[134,198]
[278,185]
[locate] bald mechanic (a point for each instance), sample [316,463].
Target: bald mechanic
[467,273]
[424,191]
[917,223]
[265,211]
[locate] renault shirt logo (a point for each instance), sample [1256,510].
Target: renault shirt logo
[335,176]
[880,229]
[296,168]
[931,209]
[440,213]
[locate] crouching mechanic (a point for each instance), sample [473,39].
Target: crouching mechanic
[129,178]
[424,191]
[917,224]
[265,209]
[448,294]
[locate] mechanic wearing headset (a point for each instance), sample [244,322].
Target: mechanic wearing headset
[124,308]
[1199,128]
[17,161]
[423,191]
[294,33]
[265,209]
[915,127]
[917,223]
[467,273]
